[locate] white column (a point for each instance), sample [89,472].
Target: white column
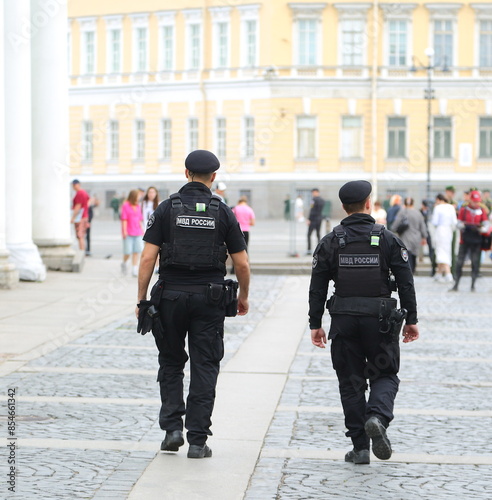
[49,90]
[18,160]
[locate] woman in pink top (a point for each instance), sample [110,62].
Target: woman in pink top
[132,231]
[245,216]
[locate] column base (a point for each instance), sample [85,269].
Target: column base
[9,276]
[59,257]
[28,262]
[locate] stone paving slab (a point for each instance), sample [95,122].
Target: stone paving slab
[283,479]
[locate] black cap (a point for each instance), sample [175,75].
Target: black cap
[75,181]
[201,161]
[354,192]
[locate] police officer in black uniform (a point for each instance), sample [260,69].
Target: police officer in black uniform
[191,232]
[358,255]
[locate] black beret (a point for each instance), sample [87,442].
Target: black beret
[354,192]
[201,161]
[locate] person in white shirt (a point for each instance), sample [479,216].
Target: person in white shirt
[444,220]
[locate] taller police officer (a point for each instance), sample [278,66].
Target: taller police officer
[358,256]
[191,232]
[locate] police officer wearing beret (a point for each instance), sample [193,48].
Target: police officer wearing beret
[358,255]
[192,232]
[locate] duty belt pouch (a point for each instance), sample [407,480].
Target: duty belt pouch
[215,293]
[230,297]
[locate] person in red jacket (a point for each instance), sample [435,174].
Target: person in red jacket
[472,221]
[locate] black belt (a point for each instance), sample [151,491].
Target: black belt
[186,288]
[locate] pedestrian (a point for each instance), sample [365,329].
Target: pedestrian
[315,217]
[93,204]
[449,193]
[149,203]
[80,213]
[245,216]
[287,207]
[132,231]
[395,206]
[425,211]
[115,205]
[379,213]
[415,234]
[192,231]
[220,191]
[358,255]
[444,221]
[473,221]
[299,209]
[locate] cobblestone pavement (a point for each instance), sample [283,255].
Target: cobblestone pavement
[87,412]
[443,417]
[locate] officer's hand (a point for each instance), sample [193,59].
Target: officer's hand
[410,333]
[242,306]
[318,337]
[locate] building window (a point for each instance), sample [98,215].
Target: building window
[485,138]
[351,137]
[443,42]
[222,44]
[352,42]
[166,139]
[397,43]
[141,49]
[250,28]
[139,139]
[114,140]
[87,141]
[194,52]
[89,57]
[307,42]
[192,134]
[221,137]
[114,55]
[249,137]
[306,137]
[167,47]
[442,137]
[397,132]
[486,44]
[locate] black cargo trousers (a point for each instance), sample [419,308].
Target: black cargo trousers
[360,353]
[184,313]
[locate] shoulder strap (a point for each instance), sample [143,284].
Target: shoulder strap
[375,235]
[340,234]
[176,200]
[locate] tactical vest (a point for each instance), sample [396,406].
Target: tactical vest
[194,236]
[362,267]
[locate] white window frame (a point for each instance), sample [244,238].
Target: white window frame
[313,12]
[248,146]
[344,157]
[87,141]
[388,129]
[221,30]
[451,138]
[397,12]
[139,140]
[300,154]
[483,13]
[447,12]
[193,17]
[166,137]
[479,142]
[113,23]
[356,12]
[166,20]
[113,140]
[249,13]
[87,25]
[221,136]
[193,134]
[139,22]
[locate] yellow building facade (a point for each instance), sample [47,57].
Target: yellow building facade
[310,93]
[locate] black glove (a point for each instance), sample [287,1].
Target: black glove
[145,321]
